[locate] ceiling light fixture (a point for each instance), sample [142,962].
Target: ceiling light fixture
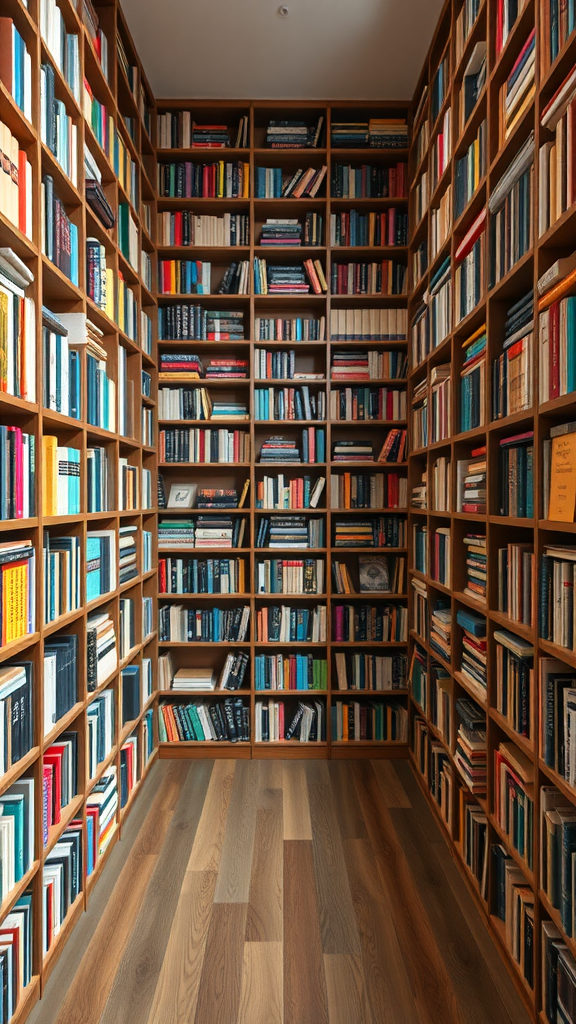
[283,10]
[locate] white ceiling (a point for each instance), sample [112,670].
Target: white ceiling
[243,49]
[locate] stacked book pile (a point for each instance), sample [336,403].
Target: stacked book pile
[194,679]
[293,134]
[470,755]
[175,533]
[441,631]
[352,451]
[279,279]
[476,559]
[349,134]
[388,133]
[473,666]
[180,366]
[472,483]
[281,231]
[128,557]
[290,532]
[219,531]
[368,365]
[377,532]
[226,369]
[209,136]
[221,497]
[229,410]
[279,449]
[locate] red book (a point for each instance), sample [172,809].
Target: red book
[554,352]
[54,761]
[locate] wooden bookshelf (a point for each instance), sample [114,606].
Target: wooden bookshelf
[555,242]
[311,356]
[52,289]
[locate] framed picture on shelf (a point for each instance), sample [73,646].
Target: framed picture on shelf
[182,496]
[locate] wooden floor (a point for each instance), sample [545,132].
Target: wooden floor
[254,892]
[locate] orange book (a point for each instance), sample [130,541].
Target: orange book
[558,292]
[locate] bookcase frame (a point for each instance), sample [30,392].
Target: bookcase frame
[523,277]
[256,154]
[54,290]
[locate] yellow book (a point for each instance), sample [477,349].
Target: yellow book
[246,189]
[241,578]
[562,502]
[49,474]
[473,337]
[110,292]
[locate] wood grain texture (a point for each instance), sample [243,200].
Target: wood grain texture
[233,885]
[176,995]
[135,982]
[460,954]
[390,785]
[305,1000]
[433,993]
[386,977]
[219,991]
[346,988]
[297,823]
[261,996]
[207,847]
[366,921]
[84,1001]
[337,920]
[265,904]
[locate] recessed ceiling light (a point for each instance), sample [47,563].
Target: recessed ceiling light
[283,10]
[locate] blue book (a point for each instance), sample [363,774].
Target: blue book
[472,623]
[571,343]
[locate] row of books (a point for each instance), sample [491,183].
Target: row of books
[359,623]
[194,445]
[352,228]
[274,183]
[179,130]
[368,721]
[227,720]
[219,180]
[387,277]
[15,182]
[184,228]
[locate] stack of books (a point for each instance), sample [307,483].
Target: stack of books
[470,754]
[229,410]
[219,531]
[180,366]
[352,451]
[290,532]
[221,497]
[281,231]
[292,134]
[473,665]
[476,564]
[279,449]
[471,483]
[194,679]
[349,134]
[441,631]
[377,532]
[351,364]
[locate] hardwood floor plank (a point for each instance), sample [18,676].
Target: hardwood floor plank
[305,999]
[431,984]
[233,885]
[133,989]
[262,997]
[83,1002]
[296,811]
[207,847]
[345,803]
[417,800]
[271,774]
[219,993]
[386,978]
[265,902]
[471,981]
[346,987]
[176,994]
[337,919]
[392,789]
[500,976]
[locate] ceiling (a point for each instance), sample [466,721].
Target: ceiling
[244,49]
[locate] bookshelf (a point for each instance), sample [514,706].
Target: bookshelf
[465,480]
[126,170]
[313,358]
